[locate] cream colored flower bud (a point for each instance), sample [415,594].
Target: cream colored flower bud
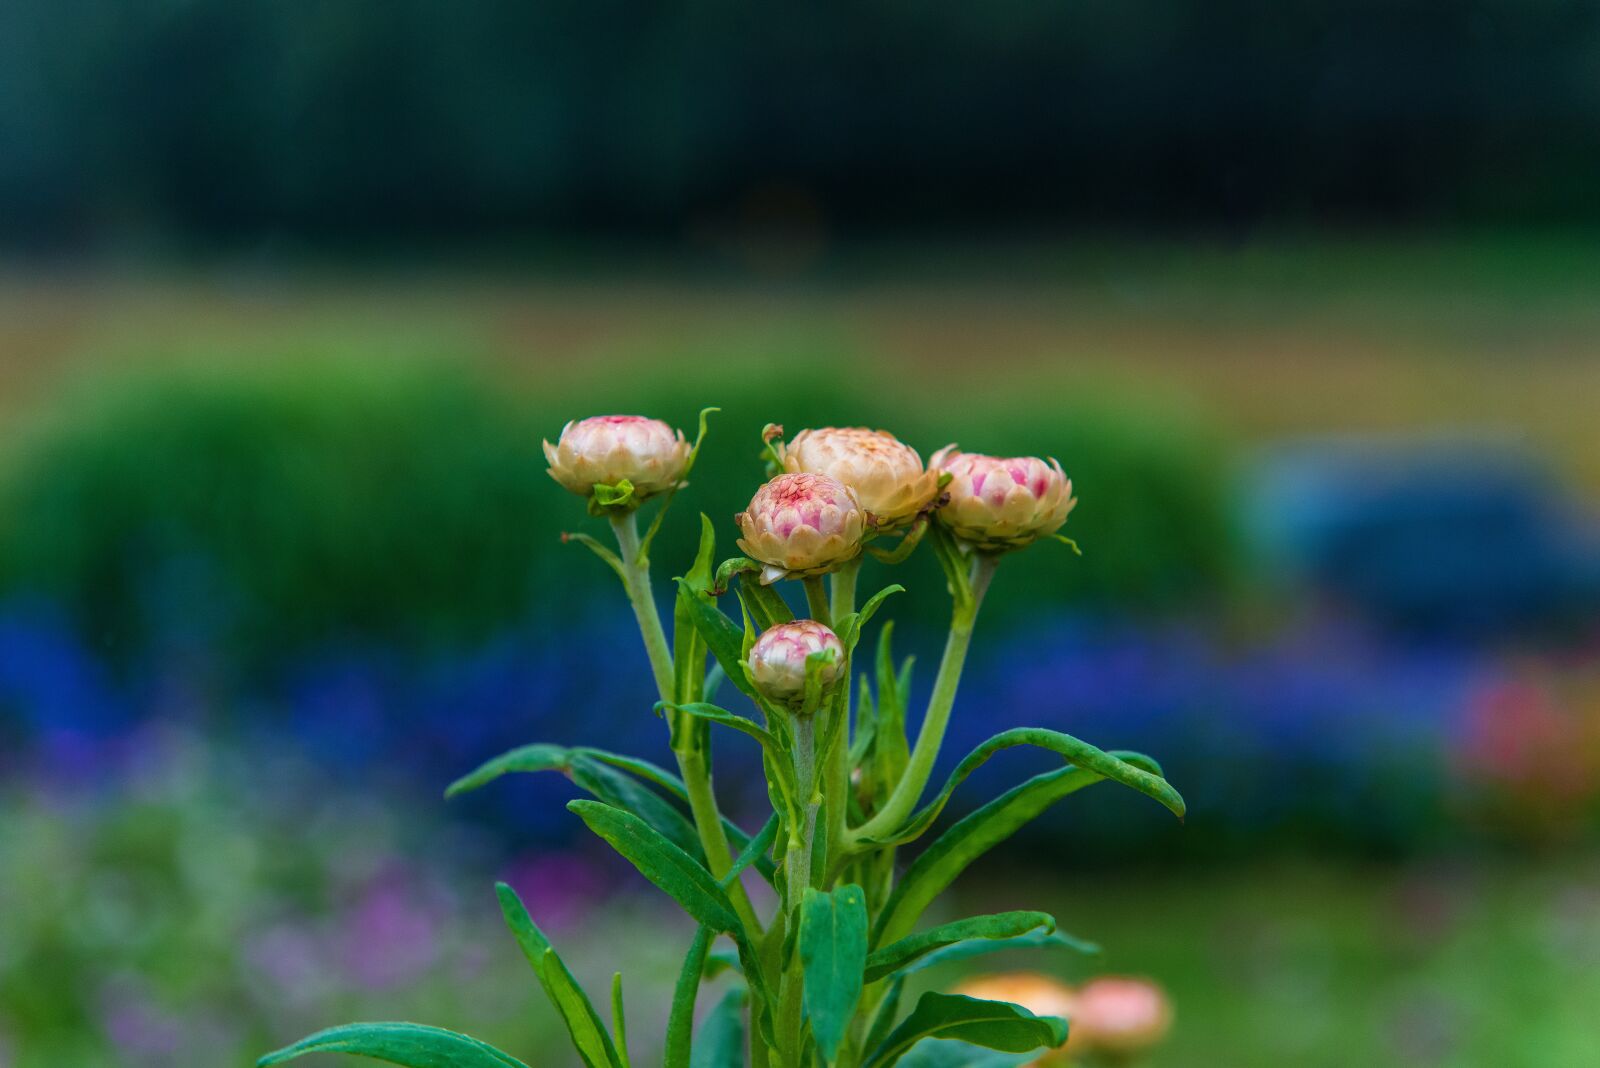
[778,659]
[801,524]
[886,474]
[606,449]
[1040,995]
[1122,1016]
[999,503]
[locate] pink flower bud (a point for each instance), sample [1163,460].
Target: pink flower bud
[778,658]
[801,524]
[886,474]
[1122,1016]
[606,449]
[1000,503]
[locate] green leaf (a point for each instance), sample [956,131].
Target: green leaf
[688,648]
[619,1018]
[613,496]
[893,749]
[612,560]
[850,627]
[1130,769]
[966,841]
[680,1021]
[766,605]
[990,1024]
[541,757]
[883,1019]
[754,850]
[775,750]
[674,871]
[979,947]
[408,1044]
[722,636]
[661,513]
[932,1053]
[833,950]
[721,1041]
[583,1023]
[893,957]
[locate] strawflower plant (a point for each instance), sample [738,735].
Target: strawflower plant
[819,981]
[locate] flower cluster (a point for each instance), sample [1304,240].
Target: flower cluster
[820,978]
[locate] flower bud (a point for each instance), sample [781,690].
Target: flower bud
[887,475]
[1123,1016]
[606,449]
[1000,503]
[1039,994]
[801,524]
[778,659]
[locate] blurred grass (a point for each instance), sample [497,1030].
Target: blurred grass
[1499,331]
[1468,964]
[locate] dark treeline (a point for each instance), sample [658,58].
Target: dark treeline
[358,119]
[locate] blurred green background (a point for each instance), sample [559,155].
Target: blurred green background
[1304,299]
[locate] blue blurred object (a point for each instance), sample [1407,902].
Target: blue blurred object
[1462,537]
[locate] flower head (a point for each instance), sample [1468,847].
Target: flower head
[1039,994]
[778,658]
[886,474]
[607,449]
[998,503]
[801,524]
[1121,1015]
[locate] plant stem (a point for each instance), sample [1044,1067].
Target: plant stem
[931,735]
[844,589]
[837,791]
[817,600]
[636,581]
[798,865]
[692,761]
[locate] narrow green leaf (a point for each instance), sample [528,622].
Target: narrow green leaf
[721,1041]
[893,957]
[991,1024]
[833,950]
[722,636]
[538,757]
[779,763]
[541,757]
[967,840]
[767,606]
[407,1044]
[1130,769]
[619,1019]
[577,1012]
[893,749]
[624,792]
[612,560]
[680,1021]
[981,946]
[674,871]
[888,1009]
[754,850]
[932,1053]
[661,513]
[688,647]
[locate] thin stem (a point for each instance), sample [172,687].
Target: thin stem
[636,580]
[909,789]
[817,600]
[844,589]
[798,867]
[692,761]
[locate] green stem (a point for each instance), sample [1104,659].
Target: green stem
[799,867]
[929,738]
[692,762]
[817,600]
[636,581]
[843,602]
[844,589]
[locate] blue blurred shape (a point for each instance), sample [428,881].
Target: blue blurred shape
[1460,537]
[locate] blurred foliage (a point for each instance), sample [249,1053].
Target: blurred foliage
[381,120]
[258,512]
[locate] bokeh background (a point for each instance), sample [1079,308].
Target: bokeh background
[1305,297]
